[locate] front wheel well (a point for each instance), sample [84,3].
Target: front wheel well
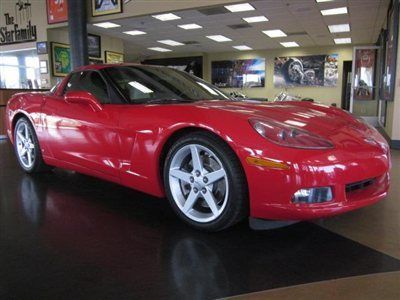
[177,135]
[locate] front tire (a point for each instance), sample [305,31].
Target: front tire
[27,149]
[205,182]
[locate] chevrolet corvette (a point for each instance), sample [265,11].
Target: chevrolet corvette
[217,160]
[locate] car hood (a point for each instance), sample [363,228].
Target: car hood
[314,117]
[335,124]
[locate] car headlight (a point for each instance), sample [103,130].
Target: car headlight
[289,136]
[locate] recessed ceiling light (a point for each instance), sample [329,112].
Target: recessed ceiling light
[343,41]
[274,33]
[107,25]
[256,19]
[240,7]
[242,47]
[171,43]
[166,17]
[324,0]
[135,32]
[219,38]
[190,26]
[289,44]
[334,11]
[159,49]
[339,28]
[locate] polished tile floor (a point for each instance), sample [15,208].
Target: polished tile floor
[66,235]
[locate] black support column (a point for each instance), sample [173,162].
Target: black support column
[78,32]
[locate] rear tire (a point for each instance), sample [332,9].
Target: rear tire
[27,148]
[205,183]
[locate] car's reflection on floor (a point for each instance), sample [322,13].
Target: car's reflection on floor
[90,237]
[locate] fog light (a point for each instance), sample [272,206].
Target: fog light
[313,195]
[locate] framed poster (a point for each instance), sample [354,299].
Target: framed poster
[364,73]
[61,63]
[94,45]
[106,7]
[57,11]
[245,73]
[113,57]
[41,48]
[388,82]
[192,65]
[312,70]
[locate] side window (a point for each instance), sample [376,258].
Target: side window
[72,82]
[91,82]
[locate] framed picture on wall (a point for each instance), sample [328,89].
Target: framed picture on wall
[192,64]
[106,7]
[311,70]
[61,63]
[44,69]
[94,45]
[95,61]
[113,57]
[41,48]
[389,75]
[243,73]
[57,11]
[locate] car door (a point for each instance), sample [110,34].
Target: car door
[80,135]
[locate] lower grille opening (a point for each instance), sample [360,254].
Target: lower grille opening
[359,185]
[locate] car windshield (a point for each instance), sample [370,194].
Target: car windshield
[145,84]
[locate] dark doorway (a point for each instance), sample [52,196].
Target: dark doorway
[346,84]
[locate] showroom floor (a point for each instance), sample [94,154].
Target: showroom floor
[67,235]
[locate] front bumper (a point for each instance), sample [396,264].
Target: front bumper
[271,190]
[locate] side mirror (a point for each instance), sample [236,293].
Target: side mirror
[83,97]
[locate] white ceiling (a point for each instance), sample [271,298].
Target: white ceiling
[300,19]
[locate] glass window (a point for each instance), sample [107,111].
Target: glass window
[144,84]
[89,81]
[19,69]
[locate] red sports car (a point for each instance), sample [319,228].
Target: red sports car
[167,133]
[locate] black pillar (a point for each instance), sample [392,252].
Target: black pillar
[78,32]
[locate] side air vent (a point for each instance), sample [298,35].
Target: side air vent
[191,42]
[239,26]
[297,33]
[213,11]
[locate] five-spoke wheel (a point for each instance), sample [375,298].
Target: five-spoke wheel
[27,147]
[204,182]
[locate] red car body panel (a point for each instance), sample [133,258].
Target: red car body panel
[124,144]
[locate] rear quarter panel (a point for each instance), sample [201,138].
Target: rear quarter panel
[28,105]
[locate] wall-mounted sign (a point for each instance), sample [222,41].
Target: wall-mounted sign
[18,28]
[57,11]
